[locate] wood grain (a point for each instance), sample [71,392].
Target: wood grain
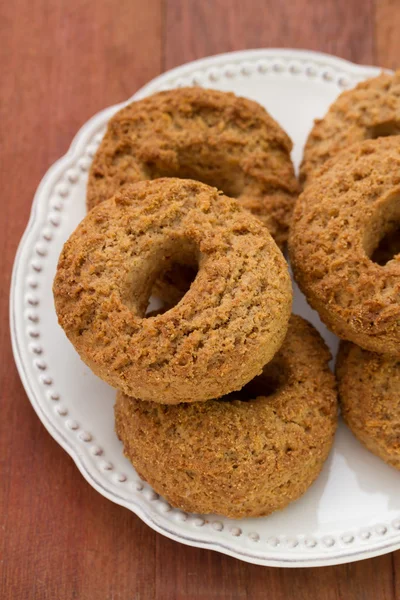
[60,62]
[387,25]
[196,29]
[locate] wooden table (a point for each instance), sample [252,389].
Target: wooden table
[60,63]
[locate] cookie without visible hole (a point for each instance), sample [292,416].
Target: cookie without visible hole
[369,391]
[246,454]
[215,137]
[219,336]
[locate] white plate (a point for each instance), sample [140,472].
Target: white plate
[353,509]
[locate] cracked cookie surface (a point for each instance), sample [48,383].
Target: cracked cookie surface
[370,110]
[248,453]
[338,223]
[369,391]
[215,137]
[223,331]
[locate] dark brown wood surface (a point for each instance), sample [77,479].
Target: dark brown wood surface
[60,62]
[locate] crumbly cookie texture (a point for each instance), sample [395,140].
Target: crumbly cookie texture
[369,390]
[370,110]
[215,137]
[338,222]
[246,454]
[219,336]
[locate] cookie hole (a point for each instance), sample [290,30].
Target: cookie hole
[170,288]
[382,234]
[388,248]
[267,384]
[384,129]
[178,272]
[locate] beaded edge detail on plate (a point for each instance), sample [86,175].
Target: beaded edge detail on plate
[58,195]
[261,67]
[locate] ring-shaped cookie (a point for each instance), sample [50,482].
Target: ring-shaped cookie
[215,137]
[369,392]
[219,336]
[369,111]
[248,453]
[338,222]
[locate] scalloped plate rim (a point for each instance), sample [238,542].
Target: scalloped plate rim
[80,139]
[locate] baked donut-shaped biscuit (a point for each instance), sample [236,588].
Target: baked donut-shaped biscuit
[338,222]
[227,326]
[248,453]
[215,137]
[369,392]
[369,111]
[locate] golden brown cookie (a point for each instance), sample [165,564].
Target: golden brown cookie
[338,222]
[369,391]
[370,110]
[215,137]
[248,453]
[229,324]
